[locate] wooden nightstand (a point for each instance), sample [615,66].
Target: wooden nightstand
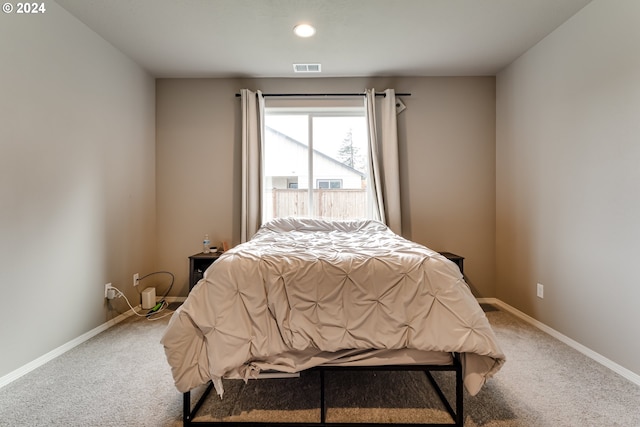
[198,263]
[455,258]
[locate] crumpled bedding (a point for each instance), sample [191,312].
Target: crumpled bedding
[303,292]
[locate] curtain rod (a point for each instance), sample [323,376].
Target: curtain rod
[324,94]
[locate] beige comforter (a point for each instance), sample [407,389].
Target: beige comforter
[304,292]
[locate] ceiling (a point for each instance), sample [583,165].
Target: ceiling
[254,38]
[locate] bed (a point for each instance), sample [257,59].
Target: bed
[315,294]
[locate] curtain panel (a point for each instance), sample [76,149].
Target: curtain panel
[252,137]
[383,157]
[384,173]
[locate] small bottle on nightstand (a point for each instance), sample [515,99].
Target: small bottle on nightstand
[206,244]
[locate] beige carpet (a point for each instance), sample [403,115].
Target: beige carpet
[121,378]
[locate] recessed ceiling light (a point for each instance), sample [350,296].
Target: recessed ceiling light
[304,30]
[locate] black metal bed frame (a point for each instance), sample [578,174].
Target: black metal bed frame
[456,414]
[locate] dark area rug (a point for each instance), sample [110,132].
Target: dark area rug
[351,396]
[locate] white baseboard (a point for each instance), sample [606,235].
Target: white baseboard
[25,369]
[624,372]
[620,370]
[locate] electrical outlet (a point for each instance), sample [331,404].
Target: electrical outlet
[106,289]
[136,279]
[540,290]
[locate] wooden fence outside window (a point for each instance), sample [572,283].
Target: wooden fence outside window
[334,204]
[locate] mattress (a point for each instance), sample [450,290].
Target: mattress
[307,292]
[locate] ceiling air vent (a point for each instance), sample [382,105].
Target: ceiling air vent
[306,68]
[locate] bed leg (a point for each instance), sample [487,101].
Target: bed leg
[323,403]
[187,413]
[459,392]
[186,409]
[457,414]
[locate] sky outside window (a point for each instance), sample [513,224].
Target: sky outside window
[329,132]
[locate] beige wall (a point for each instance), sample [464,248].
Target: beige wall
[552,200]
[447,156]
[568,180]
[77,181]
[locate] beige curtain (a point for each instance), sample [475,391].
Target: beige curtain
[252,136]
[383,157]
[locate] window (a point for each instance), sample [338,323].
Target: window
[315,161]
[329,184]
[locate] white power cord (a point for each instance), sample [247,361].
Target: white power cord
[151,315]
